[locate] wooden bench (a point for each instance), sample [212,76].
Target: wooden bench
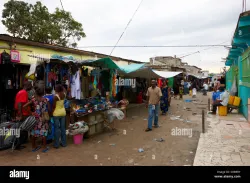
[230,108]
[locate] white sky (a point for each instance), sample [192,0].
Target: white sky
[157,23]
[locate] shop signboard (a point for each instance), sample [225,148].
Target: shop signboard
[15,56]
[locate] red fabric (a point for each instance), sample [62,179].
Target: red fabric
[22,96]
[52,76]
[159,83]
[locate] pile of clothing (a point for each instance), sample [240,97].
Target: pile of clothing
[77,128]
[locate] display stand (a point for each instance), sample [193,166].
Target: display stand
[95,121]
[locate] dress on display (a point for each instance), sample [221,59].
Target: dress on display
[76,86]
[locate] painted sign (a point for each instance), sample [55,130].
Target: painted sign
[15,56]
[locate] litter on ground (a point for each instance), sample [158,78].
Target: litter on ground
[140,150]
[159,140]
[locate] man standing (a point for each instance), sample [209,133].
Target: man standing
[21,99]
[205,88]
[223,101]
[153,101]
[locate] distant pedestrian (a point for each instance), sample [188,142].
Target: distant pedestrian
[165,90]
[153,99]
[186,87]
[194,89]
[181,89]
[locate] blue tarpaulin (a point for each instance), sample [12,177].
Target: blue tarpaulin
[131,67]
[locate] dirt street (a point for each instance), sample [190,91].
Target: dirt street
[122,149]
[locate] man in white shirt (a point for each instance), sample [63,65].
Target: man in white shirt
[223,101]
[205,88]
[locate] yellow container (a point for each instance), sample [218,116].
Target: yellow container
[236,101]
[222,110]
[231,100]
[190,92]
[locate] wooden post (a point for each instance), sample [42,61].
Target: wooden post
[203,121]
[209,104]
[249,110]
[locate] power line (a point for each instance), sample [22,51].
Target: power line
[62,5]
[126,27]
[64,10]
[173,46]
[202,50]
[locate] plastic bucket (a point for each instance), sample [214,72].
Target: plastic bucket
[222,110]
[236,101]
[231,100]
[78,138]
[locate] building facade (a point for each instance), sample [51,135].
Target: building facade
[26,48]
[239,62]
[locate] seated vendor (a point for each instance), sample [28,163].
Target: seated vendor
[223,101]
[124,103]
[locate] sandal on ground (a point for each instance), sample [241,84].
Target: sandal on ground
[46,150]
[63,145]
[36,149]
[148,130]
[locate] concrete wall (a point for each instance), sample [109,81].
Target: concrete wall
[192,69]
[205,73]
[168,61]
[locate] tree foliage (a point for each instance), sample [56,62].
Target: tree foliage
[36,23]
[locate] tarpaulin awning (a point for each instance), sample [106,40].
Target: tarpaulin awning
[103,63]
[166,74]
[130,68]
[66,59]
[148,73]
[197,76]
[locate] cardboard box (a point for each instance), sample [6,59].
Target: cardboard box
[99,127]
[92,130]
[91,118]
[99,117]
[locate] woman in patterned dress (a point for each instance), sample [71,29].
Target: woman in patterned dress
[41,106]
[165,97]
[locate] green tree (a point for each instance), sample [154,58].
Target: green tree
[36,23]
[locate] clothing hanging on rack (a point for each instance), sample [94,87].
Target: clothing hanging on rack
[76,86]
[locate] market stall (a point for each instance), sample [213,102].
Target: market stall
[90,83]
[12,78]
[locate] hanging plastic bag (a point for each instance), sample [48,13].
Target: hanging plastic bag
[234,88]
